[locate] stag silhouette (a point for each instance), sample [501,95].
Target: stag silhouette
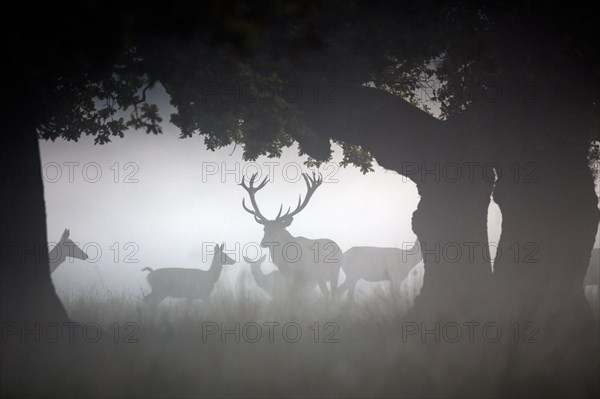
[300,260]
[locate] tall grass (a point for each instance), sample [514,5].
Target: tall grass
[169,354]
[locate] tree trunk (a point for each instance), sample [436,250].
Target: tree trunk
[27,294]
[451,226]
[27,290]
[445,161]
[550,218]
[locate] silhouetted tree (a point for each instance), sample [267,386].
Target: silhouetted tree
[517,85]
[78,79]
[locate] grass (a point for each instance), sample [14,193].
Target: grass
[175,357]
[170,353]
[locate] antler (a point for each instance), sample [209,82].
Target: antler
[258,216]
[311,186]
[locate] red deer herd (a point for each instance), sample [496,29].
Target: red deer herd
[301,263]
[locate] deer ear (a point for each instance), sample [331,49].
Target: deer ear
[216,248]
[65,235]
[222,246]
[286,221]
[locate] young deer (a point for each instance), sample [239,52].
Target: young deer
[377,264]
[272,283]
[300,260]
[64,249]
[186,283]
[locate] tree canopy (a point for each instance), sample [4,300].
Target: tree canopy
[233,70]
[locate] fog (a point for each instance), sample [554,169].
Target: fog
[161,201]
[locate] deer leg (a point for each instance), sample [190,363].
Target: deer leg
[324,289]
[394,288]
[351,286]
[293,288]
[334,282]
[153,298]
[348,284]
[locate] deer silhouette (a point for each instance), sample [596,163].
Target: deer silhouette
[300,260]
[272,283]
[186,283]
[375,264]
[65,248]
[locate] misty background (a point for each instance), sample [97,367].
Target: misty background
[159,201]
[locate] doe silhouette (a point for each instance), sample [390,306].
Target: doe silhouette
[186,283]
[272,283]
[64,248]
[375,264]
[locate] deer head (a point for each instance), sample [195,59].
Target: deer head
[221,257]
[69,248]
[276,229]
[64,248]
